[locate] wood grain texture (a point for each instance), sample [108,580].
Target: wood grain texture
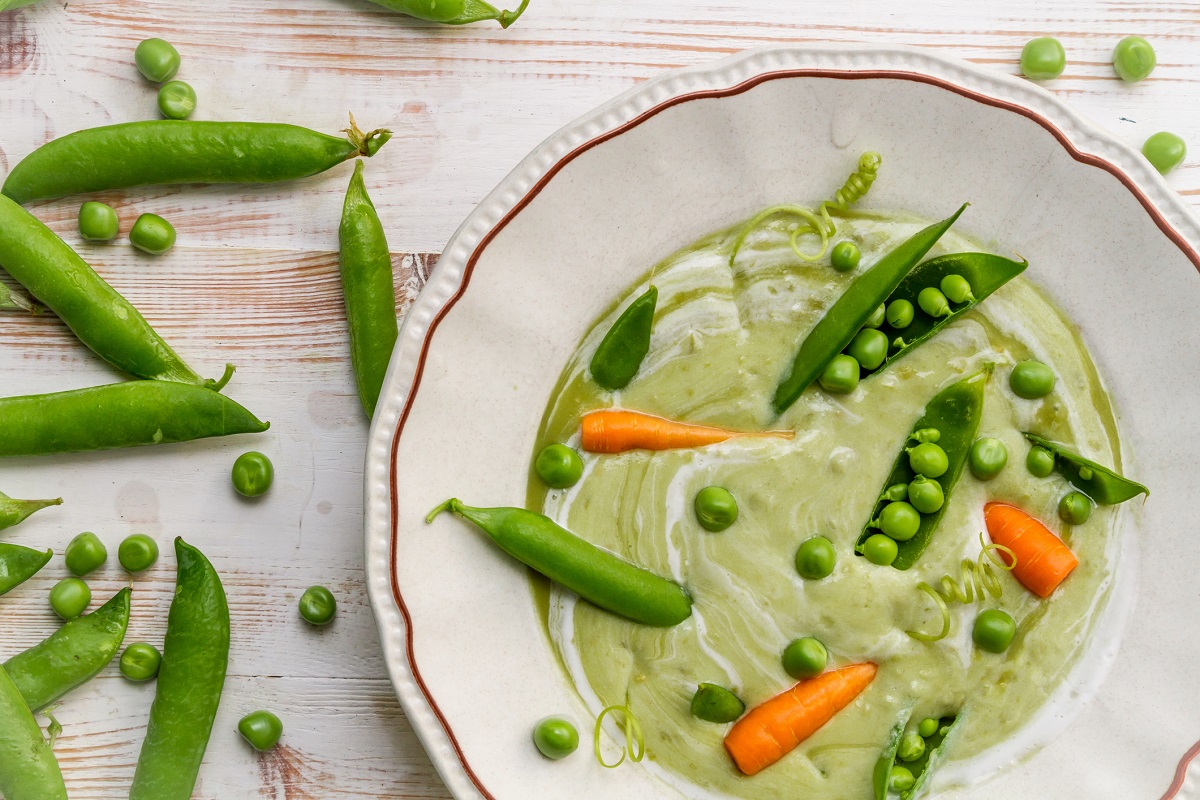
[254,281]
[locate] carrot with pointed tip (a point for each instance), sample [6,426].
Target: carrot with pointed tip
[1043,561]
[615,430]
[778,726]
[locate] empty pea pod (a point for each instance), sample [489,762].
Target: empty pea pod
[94,311]
[838,326]
[455,12]
[955,413]
[195,659]
[72,655]
[594,574]
[182,151]
[18,564]
[28,768]
[1098,482]
[13,512]
[119,415]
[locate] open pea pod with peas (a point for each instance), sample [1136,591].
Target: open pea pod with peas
[1098,482]
[917,491]
[911,755]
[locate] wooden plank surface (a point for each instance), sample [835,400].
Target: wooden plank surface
[254,281]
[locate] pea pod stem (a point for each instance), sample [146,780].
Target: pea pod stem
[594,574]
[14,512]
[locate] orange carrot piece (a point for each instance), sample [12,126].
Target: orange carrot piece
[616,430]
[775,728]
[1043,560]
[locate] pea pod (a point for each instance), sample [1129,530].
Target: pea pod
[366,269]
[921,768]
[955,413]
[594,574]
[983,271]
[194,661]
[169,151]
[1104,486]
[72,655]
[18,564]
[28,768]
[887,759]
[94,311]
[852,310]
[10,5]
[626,344]
[118,415]
[454,12]
[13,512]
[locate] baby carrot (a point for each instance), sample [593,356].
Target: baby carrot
[1042,560]
[616,430]
[775,728]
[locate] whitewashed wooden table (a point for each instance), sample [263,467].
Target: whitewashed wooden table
[253,280]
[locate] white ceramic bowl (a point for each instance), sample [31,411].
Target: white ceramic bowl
[693,151]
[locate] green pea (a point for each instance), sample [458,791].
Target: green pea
[841,376]
[900,521]
[137,553]
[933,302]
[1031,379]
[898,491]
[261,729]
[252,474]
[880,549]
[845,256]
[928,727]
[994,630]
[558,466]
[70,597]
[555,738]
[713,703]
[157,60]
[1165,151]
[925,435]
[1134,59]
[317,605]
[926,495]
[901,779]
[1086,473]
[716,509]
[1039,462]
[957,289]
[152,234]
[1043,59]
[805,658]
[900,314]
[869,348]
[877,318]
[98,222]
[1075,508]
[928,459]
[140,662]
[987,457]
[85,554]
[912,747]
[816,558]
[176,100]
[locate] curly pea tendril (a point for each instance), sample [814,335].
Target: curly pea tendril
[818,222]
[635,741]
[978,580]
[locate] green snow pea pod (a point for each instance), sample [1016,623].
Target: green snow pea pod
[10,5]
[119,415]
[18,564]
[922,767]
[195,659]
[851,311]
[13,512]
[985,273]
[594,574]
[1098,482]
[454,12]
[882,773]
[28,768]
[369,291]
[955,413]
[94,311]
[626,344]
[169,151]
[72,655]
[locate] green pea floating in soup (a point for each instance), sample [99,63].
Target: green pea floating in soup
[1031,379]
[716,508]
[816,558]
[994,630]
[805,658]
[1075,508]
[841,376]
[1039,462]
[845,256]
[558,466]
[987,457]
